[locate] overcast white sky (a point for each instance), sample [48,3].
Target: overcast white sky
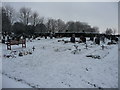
[101,14]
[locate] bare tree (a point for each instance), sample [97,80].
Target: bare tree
[48,25]
[41,20]
[114,31]
[69,26]
[8,17]
[96,29]
[60,25]
[35,17]
[52,25]
[109,31]
[10,12]
[25,15]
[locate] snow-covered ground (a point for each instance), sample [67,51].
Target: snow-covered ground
[56,64]
[10,83]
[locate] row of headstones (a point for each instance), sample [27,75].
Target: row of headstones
[96,39]
[83,39]
[7,38]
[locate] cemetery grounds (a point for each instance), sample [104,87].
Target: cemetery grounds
[55,64]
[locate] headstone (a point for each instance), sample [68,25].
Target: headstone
[45,36]
[103,39]
[72,39]
[86,46]
[51,35]
[97,40]
[116,39]
[92,38]
[8,38]
[83,39]
[3,40]
[102,47]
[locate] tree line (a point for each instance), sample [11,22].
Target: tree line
[29,22]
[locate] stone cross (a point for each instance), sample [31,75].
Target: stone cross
[33,48]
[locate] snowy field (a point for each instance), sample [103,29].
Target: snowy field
[56,64]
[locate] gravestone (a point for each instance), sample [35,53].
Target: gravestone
[72,39]
[97,40]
